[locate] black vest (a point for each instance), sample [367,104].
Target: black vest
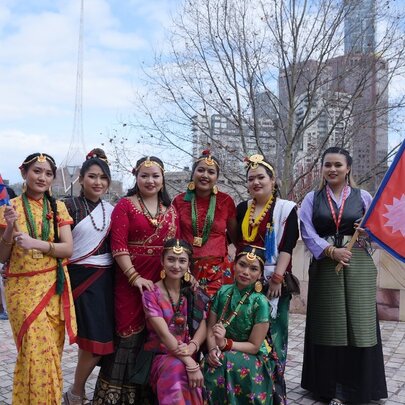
[322,217]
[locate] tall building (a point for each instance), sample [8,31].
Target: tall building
[359,26]
[353,88]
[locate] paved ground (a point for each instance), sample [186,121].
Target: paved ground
[393,335]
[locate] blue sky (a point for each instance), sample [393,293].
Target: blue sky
[38,64]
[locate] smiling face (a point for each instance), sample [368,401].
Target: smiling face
[260,184]
[335,169]
[247,272]
[38,177]
[175,265]
[94,182]
[205,177]
[149,180]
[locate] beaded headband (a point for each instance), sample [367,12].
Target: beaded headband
[207,158]
[177,249]
[93,155]
[41,158]
[254,161]
[252,256]
[148,163]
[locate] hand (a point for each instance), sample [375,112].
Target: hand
[274,290]
[219,333]
[195,378]
[182,349]
[142,283]
[10,216]
[214,357]
[342,255]
[23,240]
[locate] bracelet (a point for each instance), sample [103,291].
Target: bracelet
[332,250]
[196,344]
[51,250]
[133,277]
[228,345]
[213,348]
[127,270]
[6,242]
[277,278]
[191,369]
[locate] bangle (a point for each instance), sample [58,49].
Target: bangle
[6,242]
[133,277]
[196,344]
[213,348]
[277,278]
[51,250]
[128,269]
[191,369]
[228,345]
[331,252]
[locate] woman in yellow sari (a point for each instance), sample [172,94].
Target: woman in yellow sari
[34,237]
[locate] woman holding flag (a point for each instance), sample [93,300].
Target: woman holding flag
[34,238]
[343,359]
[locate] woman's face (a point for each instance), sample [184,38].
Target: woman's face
[38,177]
[175,265]
[247,272]
[95,183]
[335,169]
[259,183]
[149,180]
[205,177]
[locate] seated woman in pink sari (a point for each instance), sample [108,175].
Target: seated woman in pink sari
[175,319]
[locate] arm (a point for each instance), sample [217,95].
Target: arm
[232,230]
[253,344]
[194,373]
[213,350]
[199,338]
[283,262]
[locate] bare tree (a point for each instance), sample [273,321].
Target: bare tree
[284,80]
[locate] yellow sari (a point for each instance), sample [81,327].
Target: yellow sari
[38,315]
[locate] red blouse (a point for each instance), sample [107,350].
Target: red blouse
[225,211]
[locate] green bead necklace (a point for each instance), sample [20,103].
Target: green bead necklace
[201,239]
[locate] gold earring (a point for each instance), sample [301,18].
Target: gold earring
[187,276]
[215,189]
[50,191]
[191,185]
[258,286]
[162,274]
[24,187]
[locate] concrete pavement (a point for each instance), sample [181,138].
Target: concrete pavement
[393,335]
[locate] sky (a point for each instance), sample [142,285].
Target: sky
[39,42]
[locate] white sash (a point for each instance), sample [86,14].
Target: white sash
[86,239]
[281,212]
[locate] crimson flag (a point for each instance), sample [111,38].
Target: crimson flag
[385,219]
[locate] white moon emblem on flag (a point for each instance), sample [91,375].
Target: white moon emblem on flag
[396,215]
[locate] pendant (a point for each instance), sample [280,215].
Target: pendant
[179,320]
[36,254]
[197,241]
[154,221]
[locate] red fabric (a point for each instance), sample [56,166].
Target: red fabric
[225,210]
[384,220]
[132,232]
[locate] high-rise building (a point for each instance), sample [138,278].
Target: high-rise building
[359,26]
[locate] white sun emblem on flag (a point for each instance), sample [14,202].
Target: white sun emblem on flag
[396,215]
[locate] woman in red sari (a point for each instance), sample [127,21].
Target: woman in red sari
[206,215]
[140,224]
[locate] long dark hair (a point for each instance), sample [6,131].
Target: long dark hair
[29,161]
[97,157]
[163,195]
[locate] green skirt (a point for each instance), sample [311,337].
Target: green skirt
[342,307]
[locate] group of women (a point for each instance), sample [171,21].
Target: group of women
[134,292]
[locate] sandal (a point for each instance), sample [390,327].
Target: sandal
[71,399]
[336,401]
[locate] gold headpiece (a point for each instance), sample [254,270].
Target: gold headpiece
[177,249]
[252,256]
[207,158]
[93,155]
[254,161]
[41,158]
[148,163]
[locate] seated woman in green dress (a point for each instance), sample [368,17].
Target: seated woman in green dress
[237,368]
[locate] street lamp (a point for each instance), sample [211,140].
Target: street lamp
[71,170]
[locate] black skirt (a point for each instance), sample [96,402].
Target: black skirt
[353,374]
[93,294]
